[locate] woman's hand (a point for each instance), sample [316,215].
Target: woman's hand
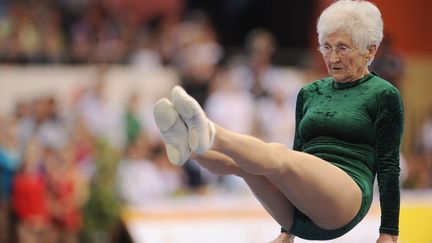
[284,238]
[386,238]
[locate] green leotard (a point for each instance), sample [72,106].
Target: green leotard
[356,126]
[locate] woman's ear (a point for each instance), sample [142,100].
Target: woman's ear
[370,51]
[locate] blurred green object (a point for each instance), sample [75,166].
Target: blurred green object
[101,213]
[133,127]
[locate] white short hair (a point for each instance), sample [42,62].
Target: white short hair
[360,19]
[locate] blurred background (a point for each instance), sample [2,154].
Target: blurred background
[81,159]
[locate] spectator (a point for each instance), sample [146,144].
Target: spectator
[9,163]
[258,74]
[44,123]
[63,201]
[131,121]
[100,119]
[29,200]
[197,55]
[275,119]
[388,63]
[230,105]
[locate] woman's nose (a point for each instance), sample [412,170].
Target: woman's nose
[333,57]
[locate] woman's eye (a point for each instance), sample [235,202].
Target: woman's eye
[343,48]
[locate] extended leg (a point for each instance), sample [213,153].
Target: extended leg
[319,189]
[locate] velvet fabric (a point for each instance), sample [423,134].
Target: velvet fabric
[356,126]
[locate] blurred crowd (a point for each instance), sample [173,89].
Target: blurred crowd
[49,154]
[82,31]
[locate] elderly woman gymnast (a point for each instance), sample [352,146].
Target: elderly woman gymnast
[348,129]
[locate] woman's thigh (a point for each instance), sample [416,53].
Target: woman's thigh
[322,191]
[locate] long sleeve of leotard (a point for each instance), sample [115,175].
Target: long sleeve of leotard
[298,144]
[389,126]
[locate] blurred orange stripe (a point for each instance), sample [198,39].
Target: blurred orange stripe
[128,215]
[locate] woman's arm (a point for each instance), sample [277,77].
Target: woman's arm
[389,126]
[298,143]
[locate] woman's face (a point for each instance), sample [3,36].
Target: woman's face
[345,62]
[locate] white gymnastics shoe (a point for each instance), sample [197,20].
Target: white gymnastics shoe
[173,130]
[201,131]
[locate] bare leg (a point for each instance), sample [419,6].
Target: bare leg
[308,182]
[272,199]
[217,163]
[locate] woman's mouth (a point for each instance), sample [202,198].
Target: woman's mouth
[336,69]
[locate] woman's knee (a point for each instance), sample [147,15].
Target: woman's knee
[339,217]
[278,161]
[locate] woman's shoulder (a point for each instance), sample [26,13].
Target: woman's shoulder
[383,86]
[385,94]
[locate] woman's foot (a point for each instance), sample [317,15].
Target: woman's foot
[201,130]
[173,130]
